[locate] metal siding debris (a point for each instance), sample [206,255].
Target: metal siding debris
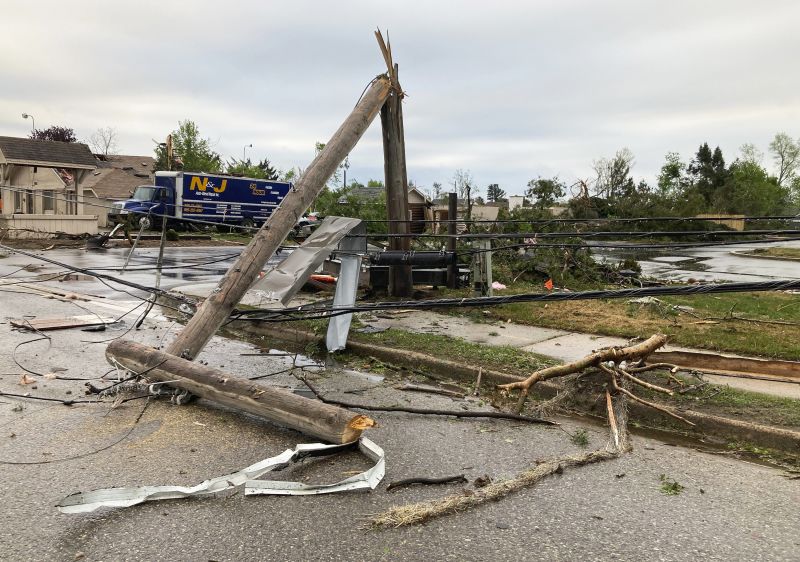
[85,502]
[285,280]
[346,287]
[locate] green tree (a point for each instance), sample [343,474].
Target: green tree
[191,152]
[750,190]
[55,133]
[707,172]
[244,168]
[786,153]
[494,193]
[263,170]
[343,202]
[671,177]
[544,192]
[269,171]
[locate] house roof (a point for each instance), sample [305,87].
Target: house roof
[374,193]
[46,154]
[368,192]
[116,176]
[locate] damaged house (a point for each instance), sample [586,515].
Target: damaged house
[42,188]
[115,179]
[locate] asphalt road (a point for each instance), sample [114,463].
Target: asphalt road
[729,510]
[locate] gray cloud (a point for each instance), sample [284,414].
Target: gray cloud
[509,90]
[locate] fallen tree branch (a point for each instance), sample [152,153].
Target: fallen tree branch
[632,396]
[652,366]
[425,480]
[616,354]
[642,383]
[412,514]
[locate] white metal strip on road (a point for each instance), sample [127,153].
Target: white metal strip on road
[85,502]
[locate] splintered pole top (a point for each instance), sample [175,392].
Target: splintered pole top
[386,51]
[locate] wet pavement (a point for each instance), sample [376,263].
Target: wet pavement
[712,263]
[615,510]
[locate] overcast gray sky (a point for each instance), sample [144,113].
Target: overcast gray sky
[507,90]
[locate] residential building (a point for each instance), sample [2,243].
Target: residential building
[115,179]
[41,188]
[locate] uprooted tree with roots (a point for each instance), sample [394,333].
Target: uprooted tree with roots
[620,365]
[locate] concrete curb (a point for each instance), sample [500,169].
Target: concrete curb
[725,428]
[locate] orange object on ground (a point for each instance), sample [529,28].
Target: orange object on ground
[324,278]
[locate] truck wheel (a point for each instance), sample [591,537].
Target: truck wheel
[144,222]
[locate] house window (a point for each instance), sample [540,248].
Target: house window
[18,201]
[48,201]
[72,203]
[29,201]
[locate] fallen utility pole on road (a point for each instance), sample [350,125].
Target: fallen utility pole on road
[331,423]
[312,417]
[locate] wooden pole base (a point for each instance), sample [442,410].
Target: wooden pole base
[312,417]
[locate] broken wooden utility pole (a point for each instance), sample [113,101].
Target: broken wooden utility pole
[222,300]
[311,417]
[452,230]
[394,165]
[215,310]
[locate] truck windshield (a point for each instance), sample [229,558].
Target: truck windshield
[146,193]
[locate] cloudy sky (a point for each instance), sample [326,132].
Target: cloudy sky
[506,90]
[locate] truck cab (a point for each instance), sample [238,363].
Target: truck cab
[147,205]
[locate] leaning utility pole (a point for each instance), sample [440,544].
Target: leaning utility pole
[175,365]
[218,306]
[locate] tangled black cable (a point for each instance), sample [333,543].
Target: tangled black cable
[315,312]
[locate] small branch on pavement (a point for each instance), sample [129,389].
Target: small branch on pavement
[425,480]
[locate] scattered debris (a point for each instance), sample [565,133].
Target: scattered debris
[372,329]
[670,487]
[84,502]
[580,438]
[431,389]
[477,390]
[26,379]
[482,481]
[420,512]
